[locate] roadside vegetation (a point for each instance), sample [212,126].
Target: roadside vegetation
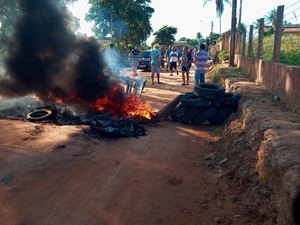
[220,72]
[290,49]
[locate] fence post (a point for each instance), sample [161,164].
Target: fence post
[250,46]
[233,33]
[260,46]
[244,43]
[278,33]
[239,41]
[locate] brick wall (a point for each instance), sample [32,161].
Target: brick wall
[280,79]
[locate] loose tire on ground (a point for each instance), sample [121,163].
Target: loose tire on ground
[39,114]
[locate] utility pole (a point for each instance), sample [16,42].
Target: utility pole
[233,33]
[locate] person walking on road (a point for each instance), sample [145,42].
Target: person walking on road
[155,63]
[200,60]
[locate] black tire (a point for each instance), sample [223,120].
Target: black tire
[192,113]
[178,113]
[229,99]
[205,115]
[39,114]
[209,91]
[192,100]
[221,115]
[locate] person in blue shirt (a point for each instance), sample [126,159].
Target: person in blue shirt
[155,63]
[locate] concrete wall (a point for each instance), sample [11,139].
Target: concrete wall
[281,80]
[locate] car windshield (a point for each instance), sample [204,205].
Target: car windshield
[145,54]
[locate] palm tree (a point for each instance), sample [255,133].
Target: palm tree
[219,9]
[271,17]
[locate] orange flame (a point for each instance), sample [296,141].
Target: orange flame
[132,106]
[135,106]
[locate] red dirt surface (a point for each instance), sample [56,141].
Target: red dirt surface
[58,175]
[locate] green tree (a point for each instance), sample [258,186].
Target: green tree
[193,42]
[122,21]
[219,9]
[165,35]
[271,17]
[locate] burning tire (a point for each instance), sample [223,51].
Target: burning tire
[209,91]
[39,114]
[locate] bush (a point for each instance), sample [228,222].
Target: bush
[224,55]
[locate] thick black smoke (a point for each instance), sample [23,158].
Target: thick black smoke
[46,59]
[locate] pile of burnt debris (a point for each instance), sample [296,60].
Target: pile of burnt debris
[208,103]
[103,125]
[100,124]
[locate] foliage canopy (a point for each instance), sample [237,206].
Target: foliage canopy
[165,35]
[122,21]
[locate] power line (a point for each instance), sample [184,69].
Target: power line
[292,5]
[291,11]
[293,18]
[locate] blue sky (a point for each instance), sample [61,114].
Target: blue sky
[190,17]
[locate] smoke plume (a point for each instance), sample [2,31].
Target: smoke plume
[47,60]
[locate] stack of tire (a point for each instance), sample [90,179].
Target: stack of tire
[208,102]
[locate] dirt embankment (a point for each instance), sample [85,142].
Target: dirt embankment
[262,149]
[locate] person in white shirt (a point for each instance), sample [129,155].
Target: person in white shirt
[173,60]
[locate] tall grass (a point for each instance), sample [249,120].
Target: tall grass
[289,52]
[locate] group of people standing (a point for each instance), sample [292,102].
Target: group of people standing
[183,57]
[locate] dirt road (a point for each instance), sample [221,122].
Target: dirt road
[58,175]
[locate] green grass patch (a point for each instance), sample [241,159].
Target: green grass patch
[221,71]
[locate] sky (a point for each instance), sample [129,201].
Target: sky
[190,17]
